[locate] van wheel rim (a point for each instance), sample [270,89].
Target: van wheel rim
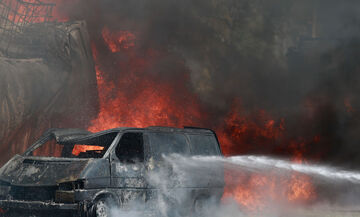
[199,206]
[102,209]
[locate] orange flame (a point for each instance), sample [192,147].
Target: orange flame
[119,40]
[152,104]
[256,192]
[83,148]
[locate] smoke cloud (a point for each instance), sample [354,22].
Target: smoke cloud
[296,60]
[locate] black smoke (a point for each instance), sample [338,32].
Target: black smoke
[298,60]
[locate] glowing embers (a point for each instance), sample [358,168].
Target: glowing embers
[119,40]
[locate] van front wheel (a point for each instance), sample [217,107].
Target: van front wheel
[101,208]
[199,206]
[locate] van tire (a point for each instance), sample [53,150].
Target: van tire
[202,203]
[101,207]
[198,206]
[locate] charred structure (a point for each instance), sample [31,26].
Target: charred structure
[43,63]
[16,17]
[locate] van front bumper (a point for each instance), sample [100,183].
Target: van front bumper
[18,208]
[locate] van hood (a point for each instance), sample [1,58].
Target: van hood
[22,170]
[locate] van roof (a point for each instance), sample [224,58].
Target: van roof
[166,129]
[68,134]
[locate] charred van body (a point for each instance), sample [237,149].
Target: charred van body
[75,172]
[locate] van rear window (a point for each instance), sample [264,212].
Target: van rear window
[203,145]
[168,143]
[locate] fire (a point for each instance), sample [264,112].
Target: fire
[25,12]
[83,148]
[152,103]
[62,9]
[259,132]
[301,188]
[35,11]
[136,96]
[256,131]
[119,40]
[348,106]
[256,192]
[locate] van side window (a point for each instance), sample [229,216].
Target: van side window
[168,143]
[130,148]
[203,145]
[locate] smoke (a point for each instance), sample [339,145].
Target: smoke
[193,171]
[296,60]
[234,48]
[230,64]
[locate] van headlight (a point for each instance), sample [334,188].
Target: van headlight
[64,196]
[72,185]
[66,191]
[4,189]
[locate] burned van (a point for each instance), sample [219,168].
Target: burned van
[77,173]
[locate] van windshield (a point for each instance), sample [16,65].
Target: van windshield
[94,147]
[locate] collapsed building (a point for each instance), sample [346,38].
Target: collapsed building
[46,72]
